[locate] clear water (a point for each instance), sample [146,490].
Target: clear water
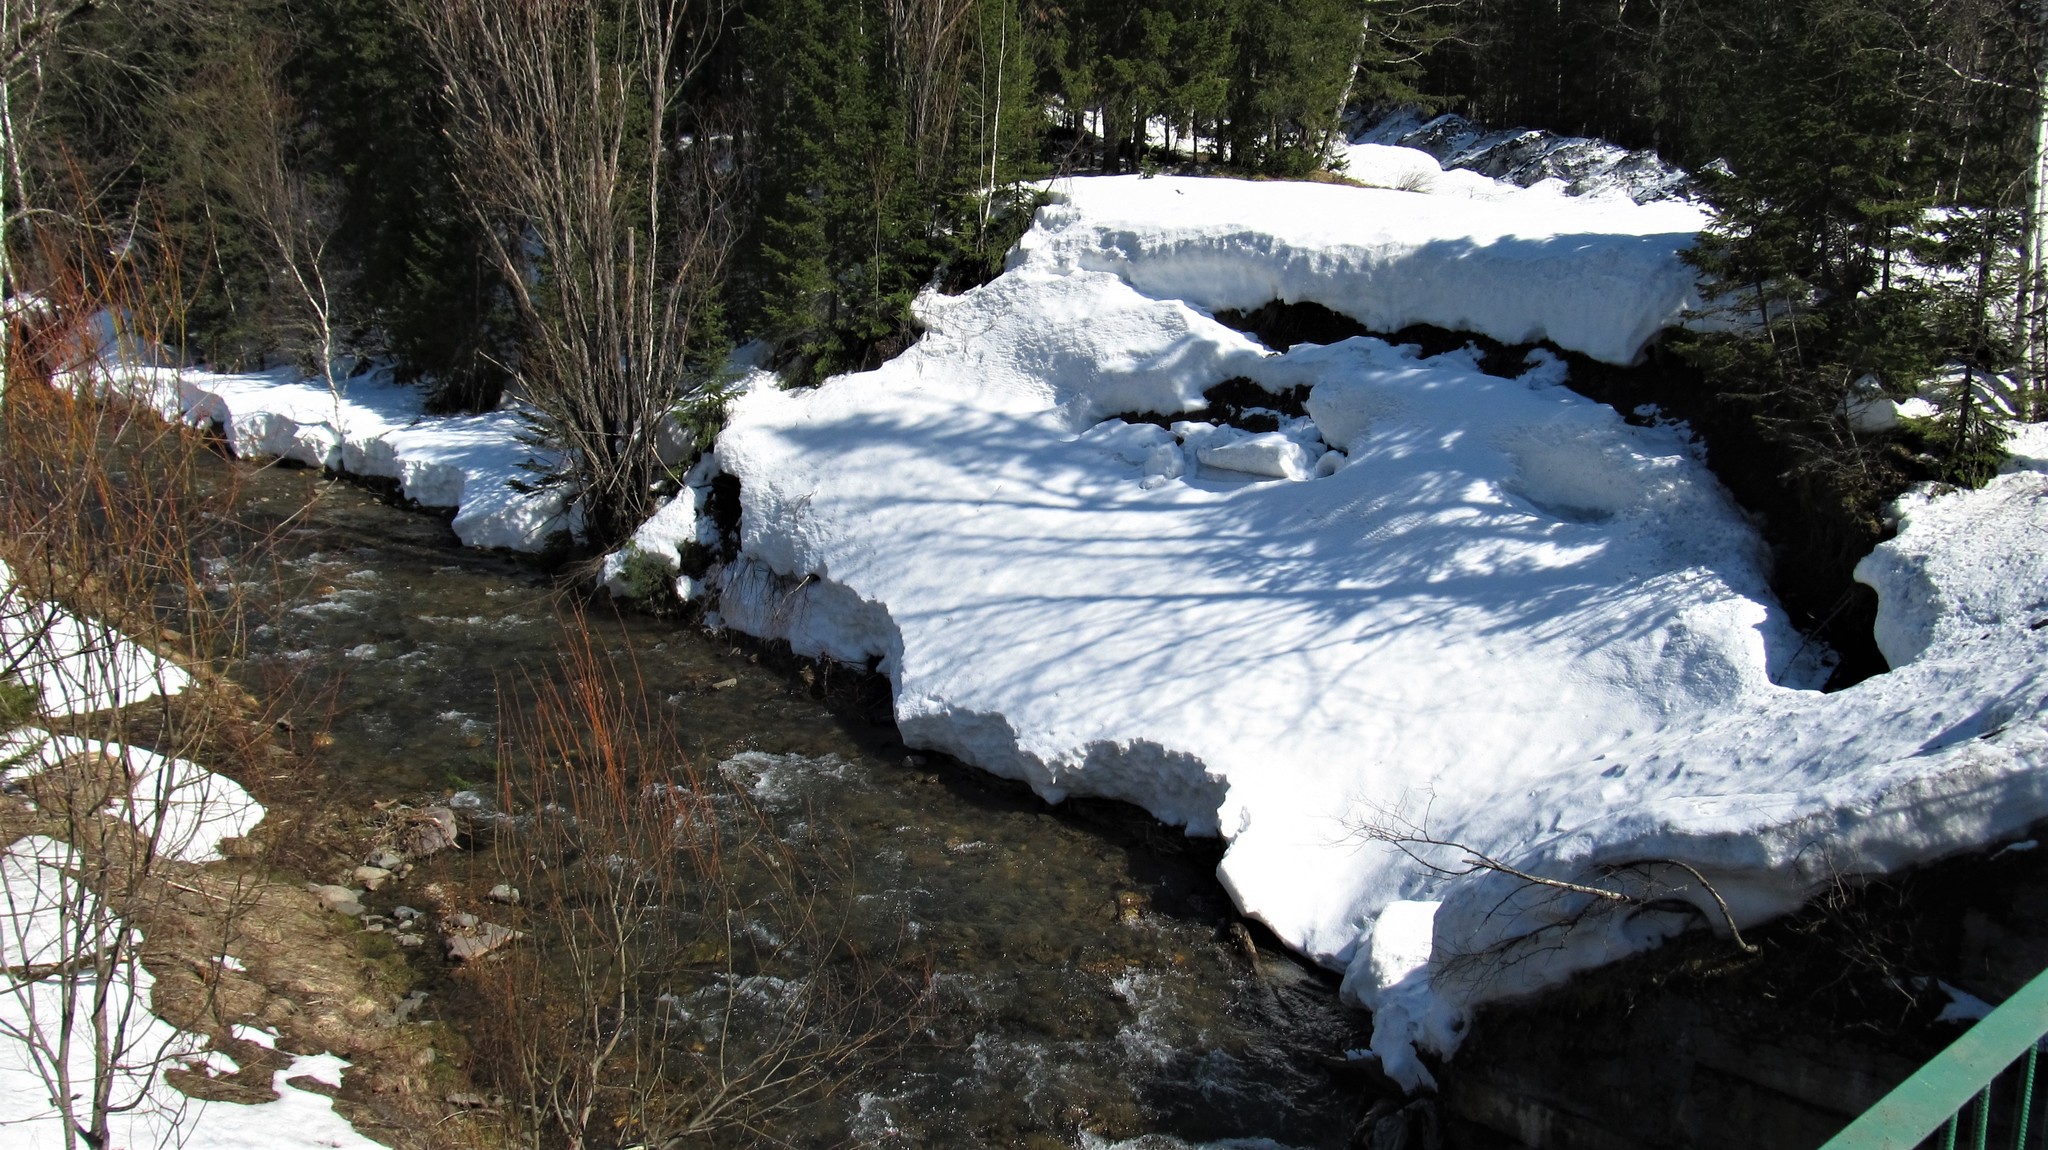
[1064,1019]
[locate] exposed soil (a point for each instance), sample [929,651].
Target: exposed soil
[313,976]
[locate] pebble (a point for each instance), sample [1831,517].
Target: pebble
[487,937]
[408,939]
[461,920]
[339,899]
[372,877]
[431,830]
[405,914]
[384,858]
[505,893]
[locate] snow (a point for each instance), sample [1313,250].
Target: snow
[185,807]
[77,665]
[48,917]
[37,889]
[377,428]
[1494,615]
[1518,157]
[1962,1006]
[1444,616]
[1599,277]
[675,524]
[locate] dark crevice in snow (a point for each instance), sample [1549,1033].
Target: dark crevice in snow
[1814,548]
[1236,402]
[724,509]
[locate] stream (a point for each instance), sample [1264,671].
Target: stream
[1089,988]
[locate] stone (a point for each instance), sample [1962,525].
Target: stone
[485,937]
[384,858]
[372,877]
[403,1012]
[461,920]
[405,914]
[429,831]
[408,939]
[505,893]
[339,899]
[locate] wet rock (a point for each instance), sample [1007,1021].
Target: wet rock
[505,893]
[480,940]
[1130,907]
[339,899]
[1411,1125]
[471,801]
[384,858]
[429,831]
[372,877]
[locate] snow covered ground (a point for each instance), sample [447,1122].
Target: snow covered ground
[1440,607]
[1468,157]
[1437,614]
[48,918]
[378,429]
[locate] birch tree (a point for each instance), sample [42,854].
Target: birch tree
[28,31]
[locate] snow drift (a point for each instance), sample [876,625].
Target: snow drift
[1438,607]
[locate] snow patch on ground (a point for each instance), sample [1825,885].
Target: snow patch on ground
[48,917]
[77,665]
[39,903]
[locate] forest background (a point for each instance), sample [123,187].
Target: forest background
[593,203]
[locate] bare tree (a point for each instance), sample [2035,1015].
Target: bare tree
[28,32]
[236,115]
[106,528]
[604,198]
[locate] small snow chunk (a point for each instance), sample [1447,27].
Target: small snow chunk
[267,1039]
[1270,453]
[1163,464]
[1962,1005]
[1545,369]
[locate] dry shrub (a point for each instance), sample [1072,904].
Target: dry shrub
[112,526]
[686,971]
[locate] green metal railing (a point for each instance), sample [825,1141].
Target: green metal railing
[1952,1095]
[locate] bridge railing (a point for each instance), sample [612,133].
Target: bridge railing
[1966,1092]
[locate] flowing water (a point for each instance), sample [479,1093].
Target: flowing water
[1090,989]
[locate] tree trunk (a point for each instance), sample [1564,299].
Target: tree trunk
[2032,321]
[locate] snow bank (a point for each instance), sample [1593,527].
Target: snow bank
[376,428]
[1493,615]
[1600,278]
[1525,157]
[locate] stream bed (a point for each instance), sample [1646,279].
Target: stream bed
[1090,988]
